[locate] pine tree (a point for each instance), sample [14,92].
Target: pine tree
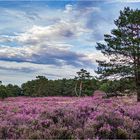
[122,48]
[82,76]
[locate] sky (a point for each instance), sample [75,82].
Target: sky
[54,38]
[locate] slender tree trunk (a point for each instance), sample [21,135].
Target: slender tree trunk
[138,66]
[138,94]
[80,88]
[138,87]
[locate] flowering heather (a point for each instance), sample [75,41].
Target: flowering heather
[69,118]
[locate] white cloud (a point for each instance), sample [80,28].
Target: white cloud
[59,31]
[45,55]
[68,8]
[97,55]
[45,45]
[13,72]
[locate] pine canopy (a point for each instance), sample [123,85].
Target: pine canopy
[122,47]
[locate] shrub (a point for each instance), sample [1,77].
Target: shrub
[3,92]
[69,118]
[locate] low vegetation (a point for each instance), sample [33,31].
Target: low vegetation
[70,118]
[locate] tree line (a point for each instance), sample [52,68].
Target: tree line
[82,85]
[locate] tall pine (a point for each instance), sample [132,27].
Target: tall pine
[122,47]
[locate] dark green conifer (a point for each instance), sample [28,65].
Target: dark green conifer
[122,48]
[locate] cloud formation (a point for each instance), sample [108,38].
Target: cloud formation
[45,45]
[54,38]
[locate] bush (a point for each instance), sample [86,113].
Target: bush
[69,118]
[3,92]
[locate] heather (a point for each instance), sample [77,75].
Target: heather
[70,118]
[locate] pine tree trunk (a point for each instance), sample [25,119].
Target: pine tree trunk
[80,88]
[138,87]
[138,94]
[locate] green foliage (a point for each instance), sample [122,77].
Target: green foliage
[41,86]
[67,87]
[83,83]
[13,90]
[122,48]
[83,75]
[105,87]
[119,86]
[89,86]
[35,87]
[3,92]
[111,86]
[9,90]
